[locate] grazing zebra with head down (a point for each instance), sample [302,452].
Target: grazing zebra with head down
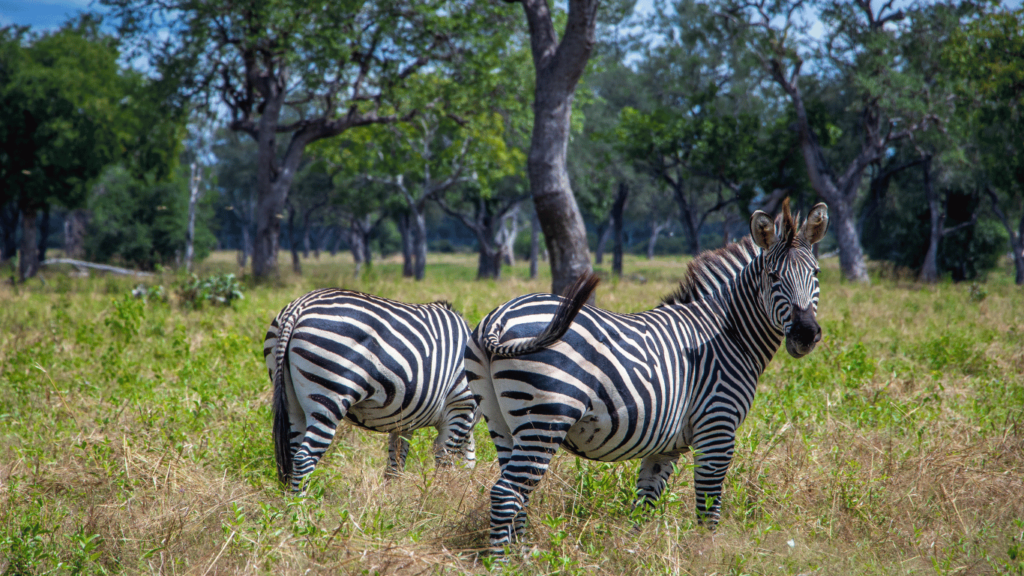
[383,365]
[651,385]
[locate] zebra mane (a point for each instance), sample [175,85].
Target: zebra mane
[443,304]
[711,270]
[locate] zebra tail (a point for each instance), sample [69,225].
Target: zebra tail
[282,427]
[575,298]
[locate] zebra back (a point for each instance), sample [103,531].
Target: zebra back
[576,297]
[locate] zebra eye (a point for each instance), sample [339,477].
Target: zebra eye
[774,278]
[816,270]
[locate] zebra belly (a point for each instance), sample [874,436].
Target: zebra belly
[588,439]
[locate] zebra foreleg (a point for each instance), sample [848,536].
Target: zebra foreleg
[710,465]
[398,450]
[655,471]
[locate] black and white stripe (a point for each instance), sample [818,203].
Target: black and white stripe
[553,373]
[383,365]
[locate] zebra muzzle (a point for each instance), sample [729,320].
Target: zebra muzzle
[804,333]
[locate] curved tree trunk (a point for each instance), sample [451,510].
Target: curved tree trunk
[558,67]
[618,208]
[1015,238]
[534,243]
[930,268]
[28,264]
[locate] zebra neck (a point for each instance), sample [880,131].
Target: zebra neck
[745,319]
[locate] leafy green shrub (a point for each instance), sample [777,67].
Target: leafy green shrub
[147,293]
[951,350]
[220,289]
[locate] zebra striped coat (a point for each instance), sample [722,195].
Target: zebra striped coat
[651,385]
[382,365]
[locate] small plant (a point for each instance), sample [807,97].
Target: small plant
[148,293]
[220,289]
[977,293]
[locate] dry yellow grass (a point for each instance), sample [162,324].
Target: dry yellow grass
[136,439]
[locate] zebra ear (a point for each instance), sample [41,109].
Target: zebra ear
[816,225]
[762,230]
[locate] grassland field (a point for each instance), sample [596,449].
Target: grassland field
[135,438]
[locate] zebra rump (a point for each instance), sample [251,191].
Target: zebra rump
[383,365]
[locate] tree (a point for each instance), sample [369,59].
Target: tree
[69,111]
[144,222]
[859,52]
[988,55]
[558,66]
[308,70]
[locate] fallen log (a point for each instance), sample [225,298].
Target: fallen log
[80,264]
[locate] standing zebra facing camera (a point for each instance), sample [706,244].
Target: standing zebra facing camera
[382,365]
[552,372]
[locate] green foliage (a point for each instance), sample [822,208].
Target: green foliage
[217,289]
[70,110]
[143,223]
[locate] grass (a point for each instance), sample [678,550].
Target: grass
[136,439]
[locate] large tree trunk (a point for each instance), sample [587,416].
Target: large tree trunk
[75,223]
[293,242]
[8,231]
[193,199]
[688,216]
[28,264]
[408,244]
[534,243]
[243,250]
[488,262]
[851,255]
[419,222]
[44,232]
[930,268]
[618,208]
[558,67]
[656,228]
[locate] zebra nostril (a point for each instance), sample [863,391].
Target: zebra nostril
[817,335]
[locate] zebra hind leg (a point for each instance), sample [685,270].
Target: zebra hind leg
[655,471]
[455,433]
[398,450]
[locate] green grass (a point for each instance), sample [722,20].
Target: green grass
[136,439]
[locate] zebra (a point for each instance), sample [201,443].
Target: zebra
[651,385]
[383,365]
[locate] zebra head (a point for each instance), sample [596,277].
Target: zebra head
[789,276]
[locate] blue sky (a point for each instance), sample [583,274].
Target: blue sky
[41,14]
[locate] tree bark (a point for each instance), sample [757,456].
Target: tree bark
[930,268]
[558,67]
[44,232]
[75,223]
[618,208]
[293,242]
[9,214]
[408,245]
[28,264]
[195,178]
[534,243]
[1015,238]
[656,228]
[419,237]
